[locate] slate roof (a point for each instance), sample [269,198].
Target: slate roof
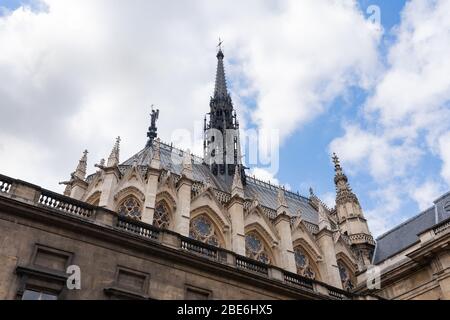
[264,192]
[403,236]
[406,234]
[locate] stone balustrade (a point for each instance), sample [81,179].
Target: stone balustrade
[66,206]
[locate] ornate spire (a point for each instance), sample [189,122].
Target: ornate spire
[281,198]
[324,222]
[152,130]
[220,89]
[187,165]
[282,203]
[80,171]
[156,155]
[223,159]
[343,191]
[237,187]
[113,159]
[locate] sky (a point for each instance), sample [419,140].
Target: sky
[326,76]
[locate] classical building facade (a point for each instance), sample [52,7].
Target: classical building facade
[412,261]
[165,224]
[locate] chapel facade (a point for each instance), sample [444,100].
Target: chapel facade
[212,200]
[165,224]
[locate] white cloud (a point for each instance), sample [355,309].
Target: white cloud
[444,150]
[329,198]
[267,176]
[426,193]
[408,114]
[80,73]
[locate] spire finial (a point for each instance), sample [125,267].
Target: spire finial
[152,130]
[237,187]
[113,159]
[80,172]
[187,164]
[281,198]
[220,90]
[337,163]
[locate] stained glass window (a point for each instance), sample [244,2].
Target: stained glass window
[203,230]
[347,283]
[303,264]
[130,207]
[254,248]
[161,217]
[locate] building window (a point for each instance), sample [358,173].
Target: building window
[202,229]
[303,264]
[45,276]
[129,284]
[193,293]
[38,295]
[161,217]
[254,248]
[345,274]
[130,207]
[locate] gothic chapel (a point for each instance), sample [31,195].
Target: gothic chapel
[214,202]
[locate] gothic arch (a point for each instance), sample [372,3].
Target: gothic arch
[205,227]
[257,219]
[163,215]
[258,247]
[305,260]
[130,190]
[208,201]
[310,248]
[130,206]
[168,198]
[94,198]
[347,271]
[94,185]
[302,236]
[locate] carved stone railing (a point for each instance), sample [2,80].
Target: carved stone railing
[65,204]
[346,239]
[361,238]
[251,265]
[223,197]
[270,213]
[298,280]
[442,228]
[337,294]
[5,184]
[199,248]
[196,188]
[313,228]
[138,228]
[19,191]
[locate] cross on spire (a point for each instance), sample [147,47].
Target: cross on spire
[337,163]
[220,90]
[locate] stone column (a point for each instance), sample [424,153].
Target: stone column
[150,195]
[236,211]
[283,226]
[110,180]
[329,264]
[182,214]
[78,190]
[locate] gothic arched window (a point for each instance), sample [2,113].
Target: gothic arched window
[255,249]
[202,229]
[130,207]
[345,274]
[303,264]
[161,217]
